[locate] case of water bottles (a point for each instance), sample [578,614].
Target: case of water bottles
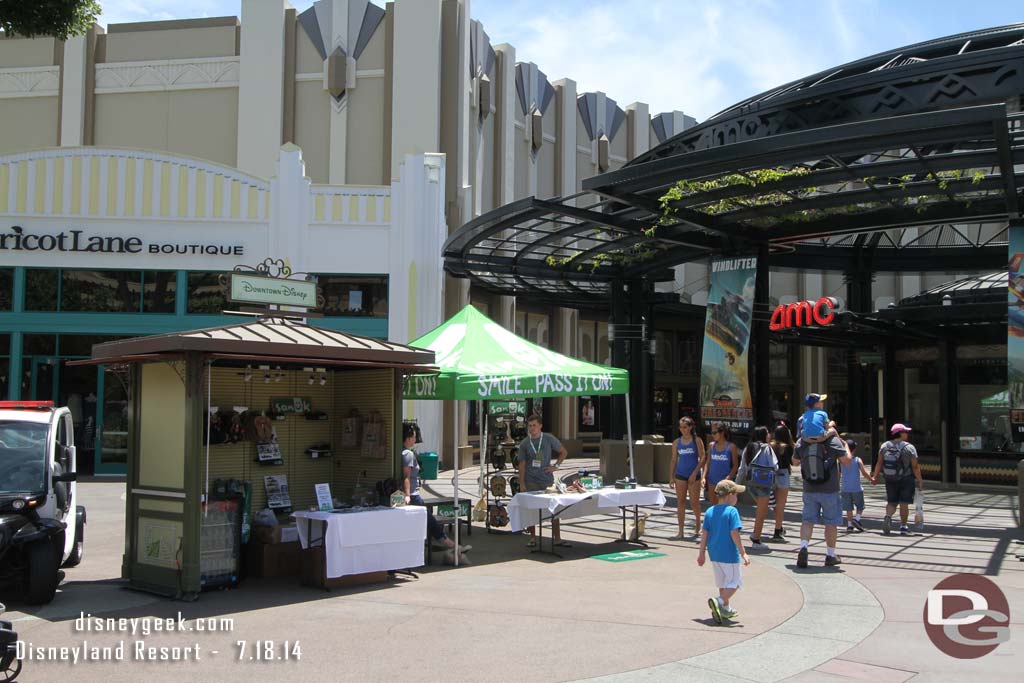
[220,544]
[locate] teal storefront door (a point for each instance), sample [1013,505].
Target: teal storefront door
[98,400]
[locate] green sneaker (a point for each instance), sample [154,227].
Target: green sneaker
[716,613]
[728,613]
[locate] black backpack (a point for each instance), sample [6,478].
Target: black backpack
[816,465]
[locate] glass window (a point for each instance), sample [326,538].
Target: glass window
[206,294]
[41,287]
[158,290]
[6,288]
[984,406]
[354,296]
[921,406]
[690,350]
[107,291]
[663,351]
[81,344]
[39,345]
[779,357]
[5,365]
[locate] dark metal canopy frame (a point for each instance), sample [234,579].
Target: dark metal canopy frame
[909,160]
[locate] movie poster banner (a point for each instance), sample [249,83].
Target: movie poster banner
[725,394]
[1015,331]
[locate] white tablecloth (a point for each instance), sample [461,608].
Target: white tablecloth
[523,508]
[367,541]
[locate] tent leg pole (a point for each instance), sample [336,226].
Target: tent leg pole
[482,423]
[455,442]
[629,438]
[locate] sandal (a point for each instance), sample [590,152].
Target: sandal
[563,544]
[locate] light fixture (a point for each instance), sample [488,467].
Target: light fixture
[266,373]
[323,376]
[312,377]
[247,375]
[278,375]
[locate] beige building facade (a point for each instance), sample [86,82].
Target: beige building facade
[357,88]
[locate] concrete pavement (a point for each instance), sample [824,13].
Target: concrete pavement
[512,614]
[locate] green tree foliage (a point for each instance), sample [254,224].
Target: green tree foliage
[58,18]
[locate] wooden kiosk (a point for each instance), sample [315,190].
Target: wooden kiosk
[175,377]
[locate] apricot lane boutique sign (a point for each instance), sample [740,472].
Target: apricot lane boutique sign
[18,239]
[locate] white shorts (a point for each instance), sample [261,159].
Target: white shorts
[728,574]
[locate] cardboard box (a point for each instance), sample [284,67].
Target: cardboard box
[663,454]
[314,572]
[573,448]
[280,533]
[268,560]
[614,462]
[643,466]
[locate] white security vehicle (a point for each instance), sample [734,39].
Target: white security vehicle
[42,527]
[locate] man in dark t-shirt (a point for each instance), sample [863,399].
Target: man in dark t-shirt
[822,502]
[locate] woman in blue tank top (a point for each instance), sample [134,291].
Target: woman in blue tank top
[687,466]
[723,460]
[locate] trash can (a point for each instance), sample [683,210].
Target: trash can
[428,466]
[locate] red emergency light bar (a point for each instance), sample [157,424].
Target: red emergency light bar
[26,405]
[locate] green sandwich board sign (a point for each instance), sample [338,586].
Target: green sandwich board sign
[256,289]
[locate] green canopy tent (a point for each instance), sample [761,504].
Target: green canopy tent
[480,360]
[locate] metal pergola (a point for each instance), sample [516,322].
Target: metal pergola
[908,160]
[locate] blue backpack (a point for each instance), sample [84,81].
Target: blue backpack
[816,465]
[760,470]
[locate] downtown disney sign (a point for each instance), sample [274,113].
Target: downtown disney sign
[479,359]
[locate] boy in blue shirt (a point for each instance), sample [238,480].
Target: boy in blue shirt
[814,424]
[720,536]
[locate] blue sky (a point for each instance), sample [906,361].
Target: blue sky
[699,57]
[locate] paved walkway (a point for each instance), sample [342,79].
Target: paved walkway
[512,614]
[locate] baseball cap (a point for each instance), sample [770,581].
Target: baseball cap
[899,427]
[726,486]
[852,444]
[811,399]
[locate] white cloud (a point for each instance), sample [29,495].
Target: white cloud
[700,58]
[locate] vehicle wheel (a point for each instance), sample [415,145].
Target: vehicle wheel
[43,563]
[10,671]
[78,551]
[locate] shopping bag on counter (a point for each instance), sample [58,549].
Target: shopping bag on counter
[351,429]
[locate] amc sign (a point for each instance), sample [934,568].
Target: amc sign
[804,314]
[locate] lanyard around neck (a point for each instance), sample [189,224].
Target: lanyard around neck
[539,445]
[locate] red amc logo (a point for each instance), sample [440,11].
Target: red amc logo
[804,314]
